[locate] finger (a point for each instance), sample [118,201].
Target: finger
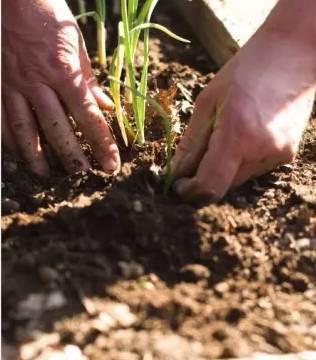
[194,142]
[82,104]
[256,168]
[6,133]
[25,132]
[102,99]
[104,102]
[216,171]
[58,130]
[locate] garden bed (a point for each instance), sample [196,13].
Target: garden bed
[117,268]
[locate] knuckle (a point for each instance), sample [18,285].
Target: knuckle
[66,69]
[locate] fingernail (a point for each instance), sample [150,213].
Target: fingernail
[112,166]
[110,105]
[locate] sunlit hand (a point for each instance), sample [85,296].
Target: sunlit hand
[46,73]
[263,98]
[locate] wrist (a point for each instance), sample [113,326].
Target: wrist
[294,20]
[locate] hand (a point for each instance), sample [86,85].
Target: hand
[46,70]
[261,101]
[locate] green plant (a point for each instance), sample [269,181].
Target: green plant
[134,20]
[99,16]
[167,130]
[134,23]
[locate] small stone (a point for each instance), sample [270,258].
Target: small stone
[270,194]
[195,272]
[138,206]
[10,206]
[145,284]
[121,313]
[55,300]
[131,269]
[104,322]
[30,307]
[221,287]
[175,347]
[48,274]
[303,243]
[73,352]
[77,183]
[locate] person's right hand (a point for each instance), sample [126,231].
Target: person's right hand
[45,70]
[261,100]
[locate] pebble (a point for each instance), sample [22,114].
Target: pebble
[55,300]
[104,322]
[36,303]
[195,272]
[270,194]
[121,313]
[10,206]
[138,206]
[221,287]
[48,274]
[175,347]
[131,269]
[303,243]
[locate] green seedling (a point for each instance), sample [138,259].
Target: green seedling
[167,129]
[134,21]
[99,16]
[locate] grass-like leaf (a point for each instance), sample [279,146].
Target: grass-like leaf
[161,28]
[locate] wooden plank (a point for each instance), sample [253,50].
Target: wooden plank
[223,26]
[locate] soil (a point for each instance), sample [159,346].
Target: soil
[117,268]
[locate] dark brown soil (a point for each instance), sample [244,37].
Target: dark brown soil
[215,281]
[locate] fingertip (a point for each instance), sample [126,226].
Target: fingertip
[185,188]
[192,190]
[110,160]
[40,169]
[179,186]
[104,102]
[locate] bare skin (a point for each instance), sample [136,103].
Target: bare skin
[263,99]
[46,70]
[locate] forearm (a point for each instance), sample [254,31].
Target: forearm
[295,19]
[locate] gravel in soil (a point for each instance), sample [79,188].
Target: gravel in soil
[111,268]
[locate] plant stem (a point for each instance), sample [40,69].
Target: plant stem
[131,71]
[82,10]
[101,43]
[101,32]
